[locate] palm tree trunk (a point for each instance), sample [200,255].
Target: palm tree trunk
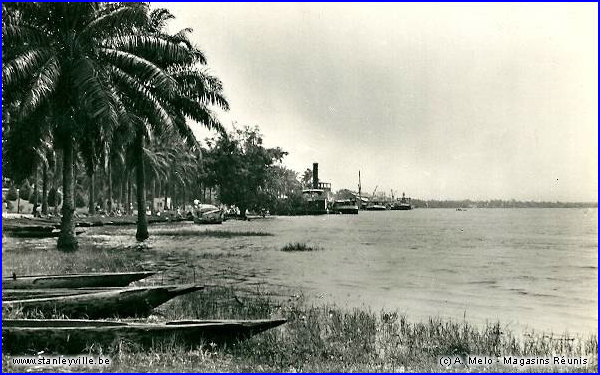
[67,240]
[110,188]
[36,197]
[166,194]
[128,208]
[142,221]
[122,191]
[92,194]
[45,190]
[152,195]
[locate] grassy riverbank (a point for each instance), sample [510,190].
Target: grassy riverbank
[316,338]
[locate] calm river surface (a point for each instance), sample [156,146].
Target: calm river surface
[527,268]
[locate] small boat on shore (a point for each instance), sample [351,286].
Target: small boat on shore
[123,302]
[18,294]
[39,233]
[83,280]
[208,214]
[76,336]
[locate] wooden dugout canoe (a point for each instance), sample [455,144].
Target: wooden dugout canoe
[40,233]
[83,280]
[17,294]
[75,336]
[120,302]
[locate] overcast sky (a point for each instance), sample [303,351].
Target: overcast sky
[442,101]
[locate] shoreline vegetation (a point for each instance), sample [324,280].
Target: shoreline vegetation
[316,337]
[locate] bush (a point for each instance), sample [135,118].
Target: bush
[54,198]
[25,190]
[79,200]
[299,246]
[12,194]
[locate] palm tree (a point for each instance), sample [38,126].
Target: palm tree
[186,92]
[80,59]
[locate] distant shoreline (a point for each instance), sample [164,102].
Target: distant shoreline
[497,203]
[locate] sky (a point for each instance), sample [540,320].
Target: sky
[441,101]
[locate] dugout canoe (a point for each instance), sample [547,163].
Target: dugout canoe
[126,302]
[83,280]
[17,294]
[40,233]
[76,336]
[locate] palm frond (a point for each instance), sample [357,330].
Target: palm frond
[23,66]
[94,93]
[143,68]
[117,18]
[43,85]
[20,34]
[198,112]
[141,97]
[153,48]
[159,18]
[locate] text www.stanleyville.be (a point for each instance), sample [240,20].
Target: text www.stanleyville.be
[62,361]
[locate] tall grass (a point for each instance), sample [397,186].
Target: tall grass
[52,261]
[330,338]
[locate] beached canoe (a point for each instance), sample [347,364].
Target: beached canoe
[17,294]
[120,302]
[84,280]
[34,233]
[75,336]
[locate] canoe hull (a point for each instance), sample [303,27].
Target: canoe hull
[69,336]
[91,280]
[114,303]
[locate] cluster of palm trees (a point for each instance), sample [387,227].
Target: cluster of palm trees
[106,87]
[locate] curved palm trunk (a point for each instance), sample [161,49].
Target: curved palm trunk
[142,220]
[67,240]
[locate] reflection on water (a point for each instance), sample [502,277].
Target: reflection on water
[529,268]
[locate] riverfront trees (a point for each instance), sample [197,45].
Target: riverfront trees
[89,72]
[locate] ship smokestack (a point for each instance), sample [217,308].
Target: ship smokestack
[315,175]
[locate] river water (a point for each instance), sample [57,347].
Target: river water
[528,268]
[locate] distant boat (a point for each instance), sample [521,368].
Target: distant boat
[345,206]
[375,206]
[208,214]
[75,336]
[315,202]
[402,204]
[82,280]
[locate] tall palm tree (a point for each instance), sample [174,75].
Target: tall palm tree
[186,93]
[79,58]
